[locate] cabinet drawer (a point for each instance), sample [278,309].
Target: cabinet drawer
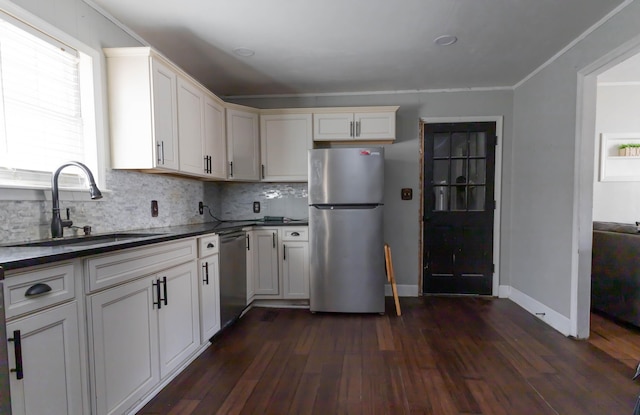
[295,234]
[57,286]
[207,245]
[111,269]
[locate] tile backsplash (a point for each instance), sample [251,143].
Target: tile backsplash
[276,199]
[127,205]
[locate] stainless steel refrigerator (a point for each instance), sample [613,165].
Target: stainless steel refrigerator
[345,230]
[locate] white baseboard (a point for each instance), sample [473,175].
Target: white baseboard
[544,313]
[504,291]
[404,290]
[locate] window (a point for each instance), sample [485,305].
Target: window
[46,108]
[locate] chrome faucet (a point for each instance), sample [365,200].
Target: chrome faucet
[57,224]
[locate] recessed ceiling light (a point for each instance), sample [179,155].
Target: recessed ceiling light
[244,52]
[445,40]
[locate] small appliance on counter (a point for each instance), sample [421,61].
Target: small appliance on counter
[345,230]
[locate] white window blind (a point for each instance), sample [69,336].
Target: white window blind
[41,123]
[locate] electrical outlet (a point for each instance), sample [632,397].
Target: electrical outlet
[200,208]
[406,193]
[154,208]
[256,207]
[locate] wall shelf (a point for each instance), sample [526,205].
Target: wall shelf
[616,168]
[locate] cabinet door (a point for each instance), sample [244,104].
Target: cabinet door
[243,145]
[52,378]
[190,127]
[335,126]
[209,297]
[165,128]
[375,125]
[284,142]
[179,317]
[124,328]
[265,265]
[295,270]
[215,141]
[251,292]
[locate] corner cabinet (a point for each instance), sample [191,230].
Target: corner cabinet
[280,263]
[284,142]
[243,145]
[349,124]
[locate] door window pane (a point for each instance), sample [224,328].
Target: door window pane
[477,171]
[477,197]
[441,198]
[441,145]
[440,171]
[459,171]
[477,144]
[459,145]
[459,197]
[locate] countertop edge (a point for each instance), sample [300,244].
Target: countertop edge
[14,258]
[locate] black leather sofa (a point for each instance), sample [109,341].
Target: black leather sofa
[615,271]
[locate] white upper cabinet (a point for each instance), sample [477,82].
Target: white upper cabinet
[243,144]
[142,110]
[190,127]
[175,125]
[215,140]
[284,142]
[366,124]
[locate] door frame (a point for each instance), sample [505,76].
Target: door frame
[496,290]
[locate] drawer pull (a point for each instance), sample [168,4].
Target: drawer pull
[17,344]
[210,245]
[37,289]
[295,233]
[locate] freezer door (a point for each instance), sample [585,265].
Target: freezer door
[346,175]
[346,260]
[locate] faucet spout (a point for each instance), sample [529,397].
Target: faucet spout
[57,224]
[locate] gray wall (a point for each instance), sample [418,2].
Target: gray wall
[544,205]
[127,204]
[616,112]
[402,166]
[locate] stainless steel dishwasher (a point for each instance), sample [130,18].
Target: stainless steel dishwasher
[233,276]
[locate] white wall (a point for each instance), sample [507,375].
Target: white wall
[616,112]
[548,165]
[402,159]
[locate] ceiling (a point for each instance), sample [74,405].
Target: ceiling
[346,46]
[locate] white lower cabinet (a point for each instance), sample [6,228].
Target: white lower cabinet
[51,379]
[209,297]
[280,263]
[141,332]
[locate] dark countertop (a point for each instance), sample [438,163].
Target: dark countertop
[16,257]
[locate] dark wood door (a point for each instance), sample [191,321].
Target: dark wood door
[459,169]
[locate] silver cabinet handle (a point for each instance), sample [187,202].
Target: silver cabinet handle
[357,128]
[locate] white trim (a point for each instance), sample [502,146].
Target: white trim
[504,291]
[584,172]
[116,22]
[620,83]
[544,313]
[574,42]
[354,93]
[404,290]
[497,184]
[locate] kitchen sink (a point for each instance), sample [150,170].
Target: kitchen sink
[85,240]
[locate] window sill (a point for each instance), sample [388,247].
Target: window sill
[44,193]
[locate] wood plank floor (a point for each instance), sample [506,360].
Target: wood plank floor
[445,355]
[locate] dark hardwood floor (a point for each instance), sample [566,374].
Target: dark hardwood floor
[445,355]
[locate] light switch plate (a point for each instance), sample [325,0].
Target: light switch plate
[154,208]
